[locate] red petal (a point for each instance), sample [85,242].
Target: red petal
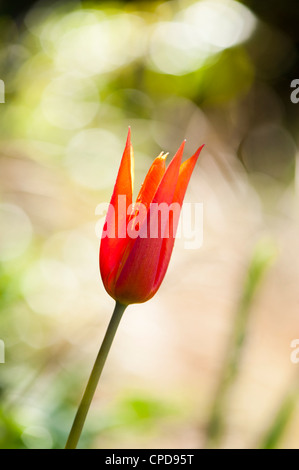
[149,187]
[112,247]
[152,180]
[138,274]
[186,170]
[166,188]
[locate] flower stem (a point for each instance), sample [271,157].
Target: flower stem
[95,375]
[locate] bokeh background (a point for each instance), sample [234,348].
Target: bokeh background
[207,361]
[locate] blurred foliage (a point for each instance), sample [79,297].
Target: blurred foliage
[262,258]
[76,75]
[280,422]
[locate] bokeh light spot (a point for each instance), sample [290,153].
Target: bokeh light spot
[16,231]
[92,157]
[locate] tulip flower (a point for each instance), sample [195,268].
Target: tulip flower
[133,268]
[136,246]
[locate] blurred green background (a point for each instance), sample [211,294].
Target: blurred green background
[206,362]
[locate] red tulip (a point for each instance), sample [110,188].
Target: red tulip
[138,238]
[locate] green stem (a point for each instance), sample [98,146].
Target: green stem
[95,375]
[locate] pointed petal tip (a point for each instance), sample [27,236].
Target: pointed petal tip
[129,135]
[196,154]
[178,155]
[191,161]
[181,148]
